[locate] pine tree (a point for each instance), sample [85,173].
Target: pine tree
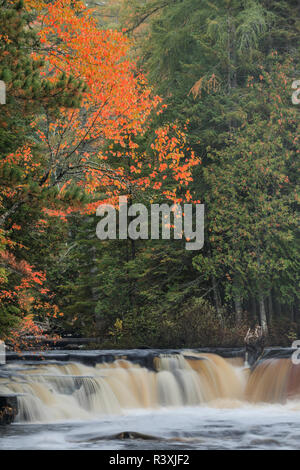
[253,199]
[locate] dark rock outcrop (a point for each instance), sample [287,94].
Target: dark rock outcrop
[143,357]
[255,345]
[8,408]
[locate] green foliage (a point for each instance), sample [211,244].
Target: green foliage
[9,318]
[214,64]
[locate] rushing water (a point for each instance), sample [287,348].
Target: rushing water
[192,401]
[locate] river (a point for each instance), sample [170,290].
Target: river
[183,401]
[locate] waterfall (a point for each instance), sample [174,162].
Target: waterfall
[274,381]
[52,391]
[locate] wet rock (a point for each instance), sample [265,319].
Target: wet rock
[277,353]
[8,408]
[142,357]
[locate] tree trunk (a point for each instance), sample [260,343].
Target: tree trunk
[253,309]
[238,309]
[263,316]
[10,212]
[292,313]
[270,308]
[216,297]
[278,308]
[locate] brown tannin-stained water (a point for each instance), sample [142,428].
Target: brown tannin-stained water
[185,401]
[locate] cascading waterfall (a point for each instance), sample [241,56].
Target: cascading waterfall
[274,381]
[49,392]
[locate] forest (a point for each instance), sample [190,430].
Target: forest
[162,101]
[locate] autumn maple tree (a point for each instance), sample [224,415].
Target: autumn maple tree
[96,144]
